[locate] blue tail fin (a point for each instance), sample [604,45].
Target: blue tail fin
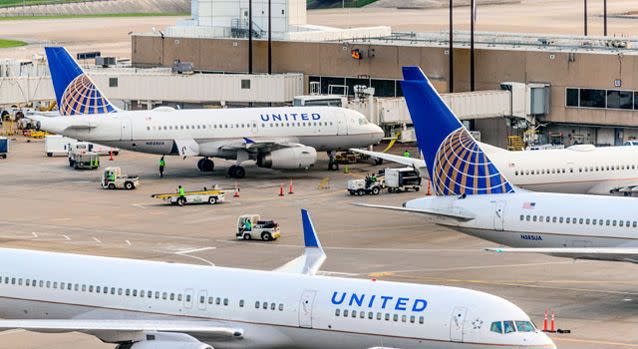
[455,162]
[75,92]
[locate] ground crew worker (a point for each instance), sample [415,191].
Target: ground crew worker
[406,153]
[112,176]
[161,166]
[180,191]
[247,225]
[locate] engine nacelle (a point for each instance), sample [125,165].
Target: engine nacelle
[166,340]
[289,158]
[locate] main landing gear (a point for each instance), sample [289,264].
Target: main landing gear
[333,165]
[205,165]
[236,171]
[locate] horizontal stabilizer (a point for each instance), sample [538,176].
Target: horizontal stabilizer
[313,257]
[460,216]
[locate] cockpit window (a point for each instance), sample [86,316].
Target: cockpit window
[363,121]
[509,326]
[524,326]
[497,327]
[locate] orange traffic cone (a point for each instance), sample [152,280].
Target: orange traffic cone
[281,189]
[545,322]
[429,189]
[236,195]
[290,189]
[110,155]
[553,322]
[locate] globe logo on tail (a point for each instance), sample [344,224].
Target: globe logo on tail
[461,167]
[83,97]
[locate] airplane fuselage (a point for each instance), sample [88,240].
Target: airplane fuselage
[216,130]
[275,310]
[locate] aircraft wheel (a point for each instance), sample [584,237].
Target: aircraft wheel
[205,165]
[236,172]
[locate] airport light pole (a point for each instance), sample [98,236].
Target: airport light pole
[472,12]
[451,50]
[269,37]
[585,16]
[250,36]
[605,17]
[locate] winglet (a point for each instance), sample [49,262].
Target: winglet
[309,233]
[313,257]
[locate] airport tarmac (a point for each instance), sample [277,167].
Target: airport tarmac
[46,205]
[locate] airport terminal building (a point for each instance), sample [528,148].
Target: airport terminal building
[591,80]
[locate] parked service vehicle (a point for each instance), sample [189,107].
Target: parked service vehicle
[86,161]
[112,178]
[266,230]
[4,147]
[402,179]
[211,196]
[56,145]
[367,186]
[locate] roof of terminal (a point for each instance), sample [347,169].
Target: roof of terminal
[511,41]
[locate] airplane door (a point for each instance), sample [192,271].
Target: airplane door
[126,129]
[305,308]
[499,214]
[188,299]
[342,123]
[202,299]
[456,324]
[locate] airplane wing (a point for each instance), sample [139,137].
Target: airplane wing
[416,163]
[460,216]
[622,254]
[122,326]
[263,145]
[313,257]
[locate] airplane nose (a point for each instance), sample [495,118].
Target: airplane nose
[378,133]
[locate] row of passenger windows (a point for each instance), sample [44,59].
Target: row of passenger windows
[508,326]
[68,286]
[266,305]
[571,170]
[226,126]
[575,220]
[379,316]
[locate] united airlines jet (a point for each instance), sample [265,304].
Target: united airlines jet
[473,196]
[278,138]
[146,304]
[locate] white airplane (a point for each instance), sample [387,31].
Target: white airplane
[579,169]
[146,304]
[472,195]
[278,138]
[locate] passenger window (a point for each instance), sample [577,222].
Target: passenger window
[281,307]
[600,222]
[202,299]
[164,295]
[353,313]
[421,319]
[404,318]
[387,317]
[621,223]
[345,312]
[522,217]
[218,301]
[574,220]
[273,306]
[412,319]
[128,292]
[90,288]
[614,223]
[497,327]
[534,218]
[593,221]
[337,312]
[509,326]
[560,220]
[157,295]
[241,303]
[362,314]
[395,317]
[587,221]
[627,224]
[265,305]
[188,297]
[257,305]
[547,219]
[634,224]
[172,296]
[370,315]
[553,219]
[225,301]
[580,221]
[527,218]
[210,300]
[567,220]
[179,297]
[379,316]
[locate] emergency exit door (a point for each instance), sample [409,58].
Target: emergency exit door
[305,308]
[456,324]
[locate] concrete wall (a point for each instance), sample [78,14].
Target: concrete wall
[560,69]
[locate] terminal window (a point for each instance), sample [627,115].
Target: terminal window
[601,99]
[245,84]
[113,82]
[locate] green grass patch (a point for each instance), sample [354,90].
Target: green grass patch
[97,15]
[4,43]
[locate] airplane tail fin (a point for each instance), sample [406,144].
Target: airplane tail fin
[75,92]
[313,257]
[456,163]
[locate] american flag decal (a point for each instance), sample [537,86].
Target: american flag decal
[529,205]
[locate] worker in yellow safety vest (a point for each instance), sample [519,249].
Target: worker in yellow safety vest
[406,153]
[162,163]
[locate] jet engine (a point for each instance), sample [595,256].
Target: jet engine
[288,158]
[166,340]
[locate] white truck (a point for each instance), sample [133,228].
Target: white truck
[402,179]
[56,145]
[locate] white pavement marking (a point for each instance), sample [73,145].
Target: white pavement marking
[198,258]
[196,250]
[140,206]
[66,237]
[97,240]
[35,235]
[128,242]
